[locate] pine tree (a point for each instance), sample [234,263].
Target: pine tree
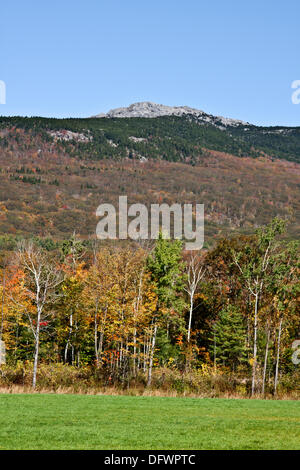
[166,269]
[229,341]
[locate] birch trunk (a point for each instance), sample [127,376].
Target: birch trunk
[277,358]
[2,305]
[134,352]
[96,334]
[68,341]
[99,347]
[266,361]
[144,365]
[190,317]
[254,347]
[152,355]
[36,351]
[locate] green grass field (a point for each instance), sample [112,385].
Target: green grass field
[120,422]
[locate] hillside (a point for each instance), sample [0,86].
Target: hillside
[55,173]
[183,137]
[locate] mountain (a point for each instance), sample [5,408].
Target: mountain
[55,172]
[172,134]
[239,137]
[147,109]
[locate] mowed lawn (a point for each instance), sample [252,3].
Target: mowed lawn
[43,421]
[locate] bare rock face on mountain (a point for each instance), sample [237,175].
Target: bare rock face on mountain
[148,109]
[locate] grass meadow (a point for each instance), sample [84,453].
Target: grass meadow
[49,421]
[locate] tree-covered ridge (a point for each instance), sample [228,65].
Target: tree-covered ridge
[143,314]
[54,174]
[45,192]
[170,138]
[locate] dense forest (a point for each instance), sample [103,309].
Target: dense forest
[170,138]
[82,315]
[49,187]
[88,316]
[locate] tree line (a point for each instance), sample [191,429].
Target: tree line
[127,310]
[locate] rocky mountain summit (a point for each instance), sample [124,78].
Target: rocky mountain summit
[147,109]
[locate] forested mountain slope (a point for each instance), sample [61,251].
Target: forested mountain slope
[172,138]
[55,173]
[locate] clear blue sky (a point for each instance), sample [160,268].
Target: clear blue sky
[79,58]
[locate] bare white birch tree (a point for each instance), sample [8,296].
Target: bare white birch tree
[2,299]
[42,280]
[195,272]
[277,356]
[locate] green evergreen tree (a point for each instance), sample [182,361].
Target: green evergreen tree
[166,269]
[229,341]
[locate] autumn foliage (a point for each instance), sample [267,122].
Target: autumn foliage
[126,313]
